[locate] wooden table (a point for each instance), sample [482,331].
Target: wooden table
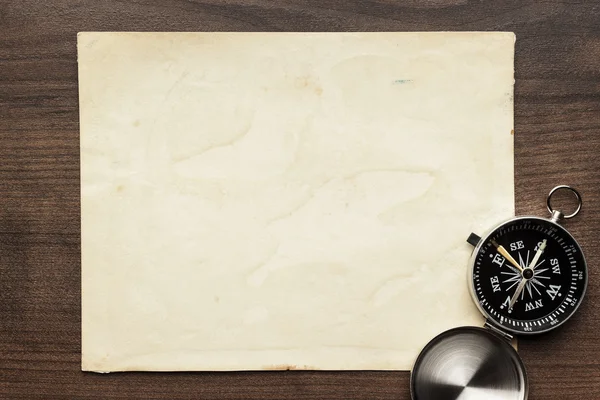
[557,140]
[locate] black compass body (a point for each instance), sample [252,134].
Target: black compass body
[528,275]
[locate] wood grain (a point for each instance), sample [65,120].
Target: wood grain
[557,140]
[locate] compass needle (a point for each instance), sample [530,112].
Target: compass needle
[506,255]
[537,255]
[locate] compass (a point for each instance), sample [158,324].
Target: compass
[527,275]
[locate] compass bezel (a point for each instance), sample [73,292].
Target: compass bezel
[471,272]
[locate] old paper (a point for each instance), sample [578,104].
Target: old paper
[268,201]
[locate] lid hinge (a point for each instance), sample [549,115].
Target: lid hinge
[499,331]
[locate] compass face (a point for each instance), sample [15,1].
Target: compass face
[529,275]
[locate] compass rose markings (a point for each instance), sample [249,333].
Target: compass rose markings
[521,261]
[514,275]
[535,288]
[528,287]
[534,280]
[513,269]
[514,279]
[513,285]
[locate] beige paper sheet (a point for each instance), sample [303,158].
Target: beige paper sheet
[269,201]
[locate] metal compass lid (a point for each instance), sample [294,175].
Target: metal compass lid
[468,363]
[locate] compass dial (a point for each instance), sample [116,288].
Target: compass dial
[528,276]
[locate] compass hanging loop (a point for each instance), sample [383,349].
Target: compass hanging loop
[556,214]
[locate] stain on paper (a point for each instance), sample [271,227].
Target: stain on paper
[286,367]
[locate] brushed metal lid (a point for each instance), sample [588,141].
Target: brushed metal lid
[468,363]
